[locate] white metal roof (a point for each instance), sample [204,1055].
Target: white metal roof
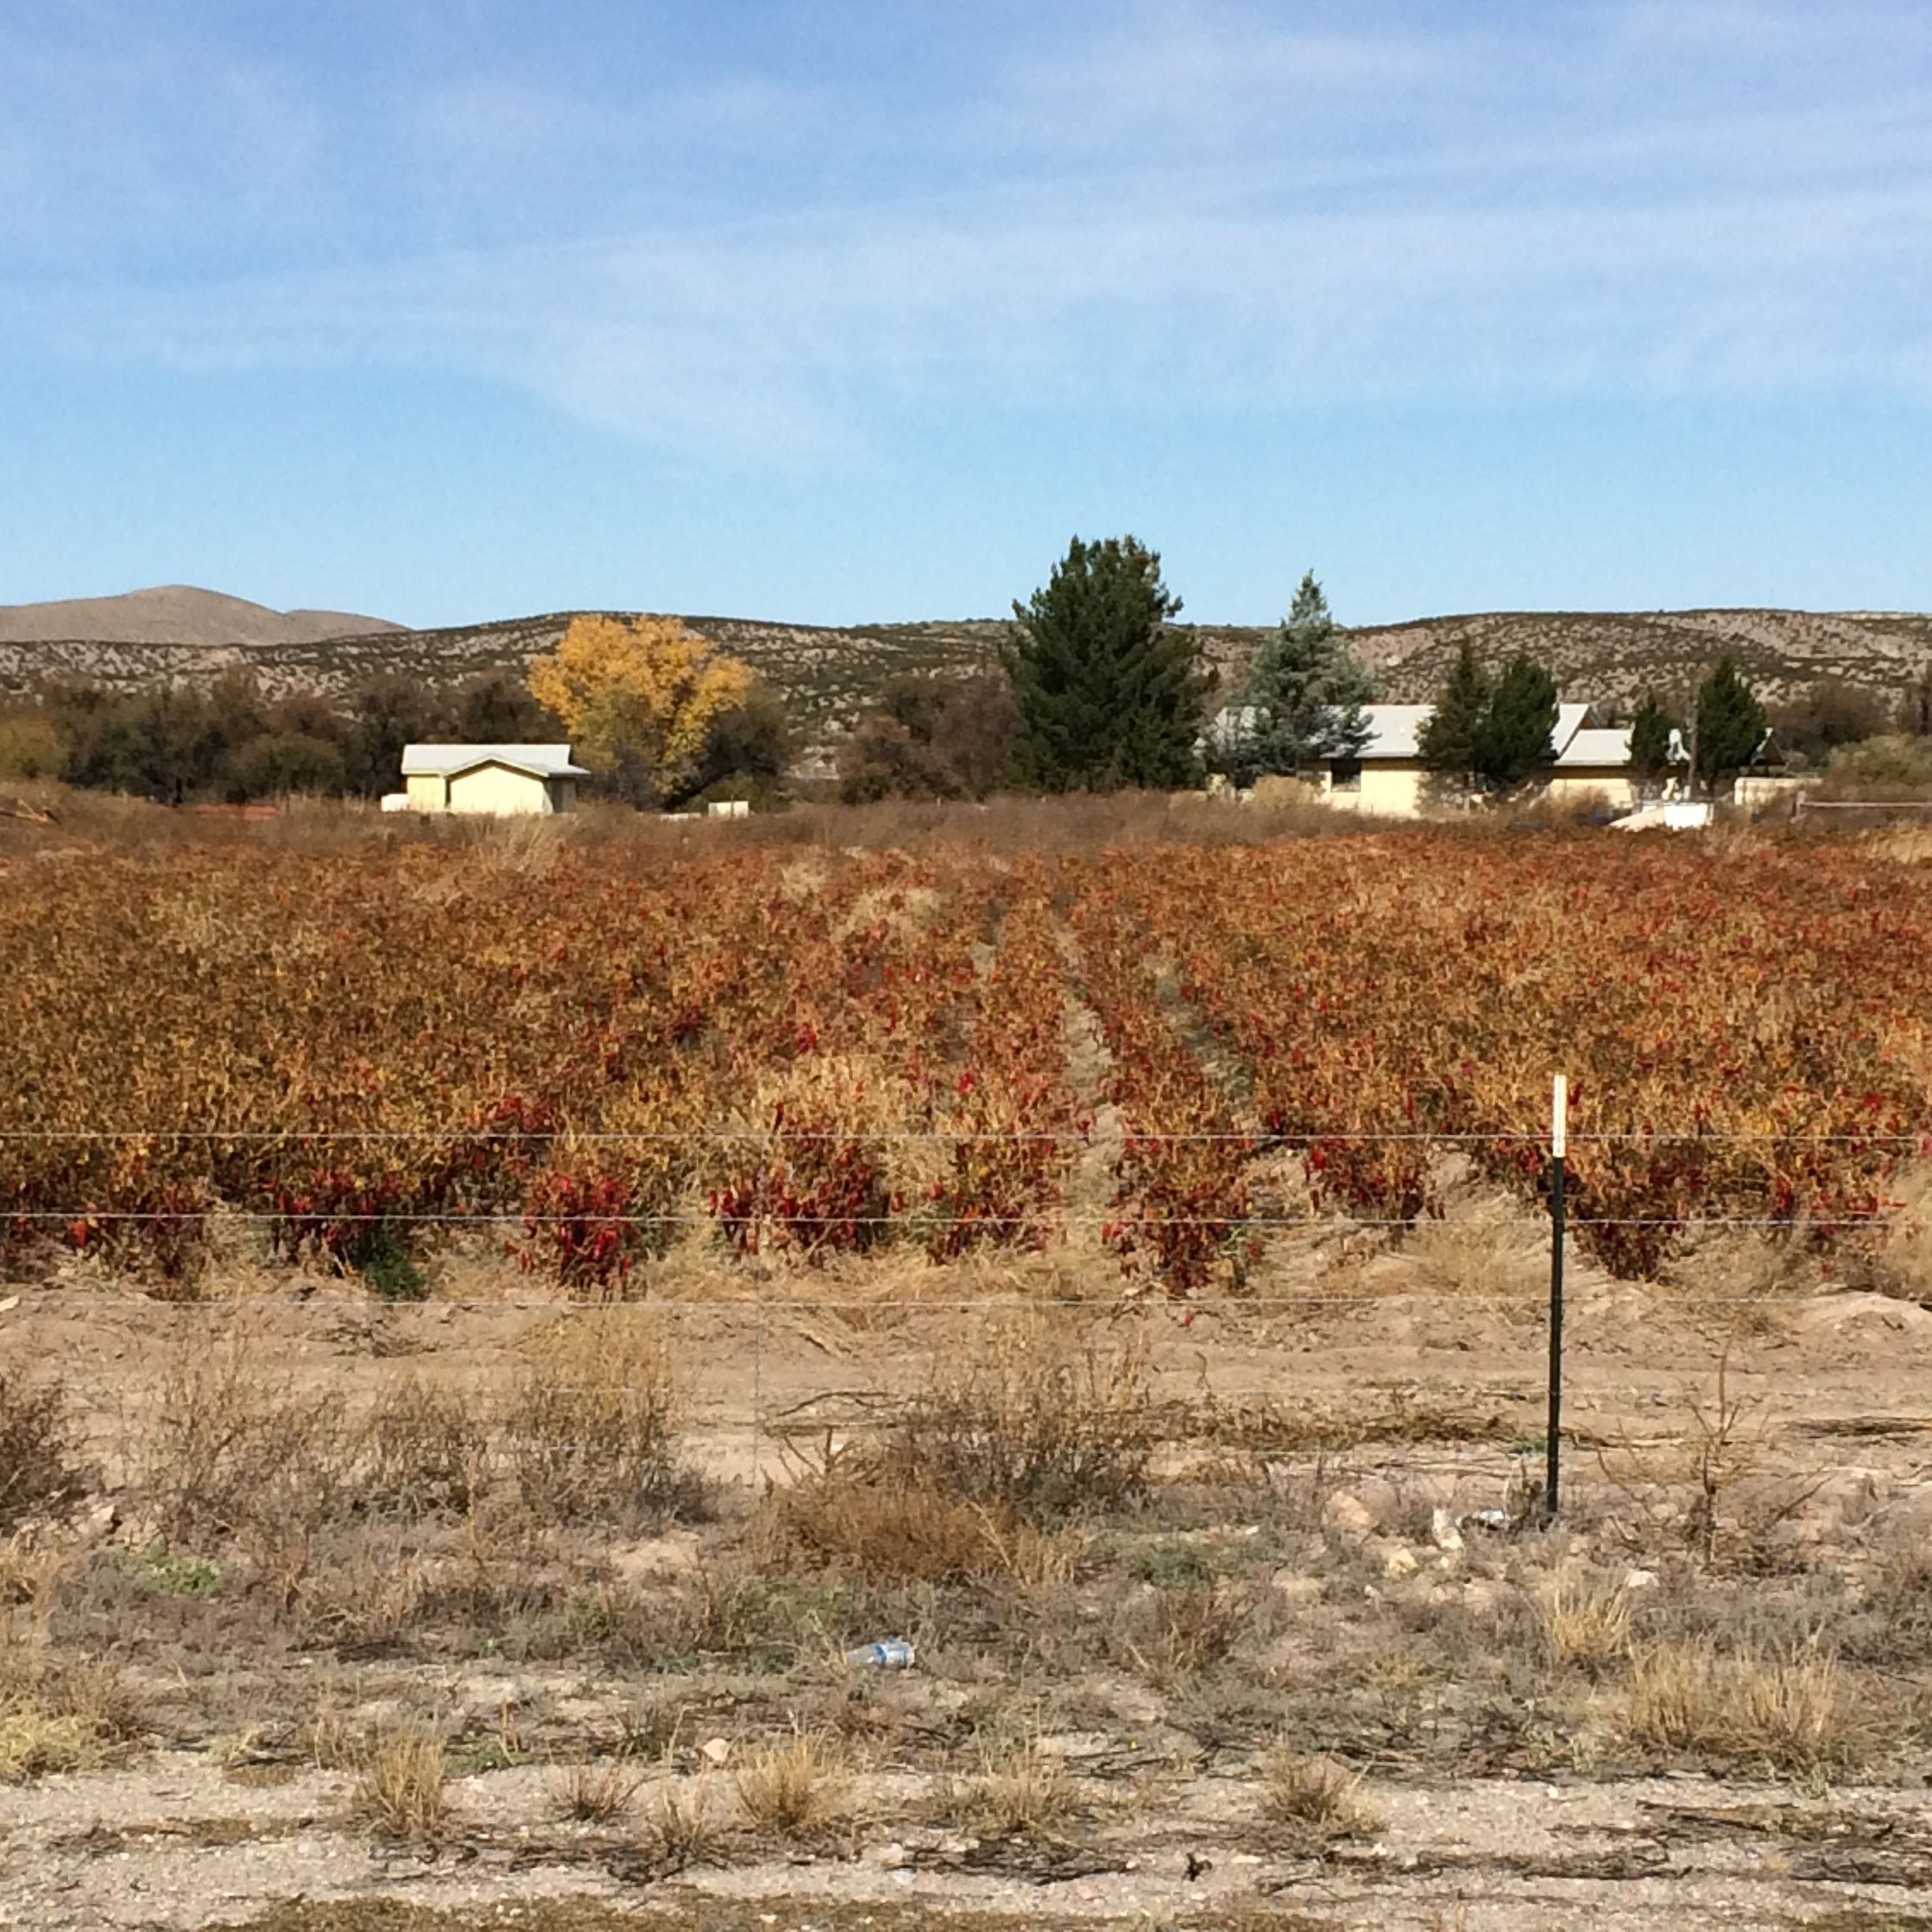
[1594,746]
[1395,728]
[446,761]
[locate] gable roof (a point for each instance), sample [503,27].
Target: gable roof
[450,760]
[1595,747]
[1394,730]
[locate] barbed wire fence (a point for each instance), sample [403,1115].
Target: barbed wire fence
[753,1293]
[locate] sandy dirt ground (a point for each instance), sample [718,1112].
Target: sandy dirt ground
[1440,1394]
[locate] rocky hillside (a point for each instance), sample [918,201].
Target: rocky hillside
[829,674]
[1619,656]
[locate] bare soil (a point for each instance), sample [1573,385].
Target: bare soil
[1311,1569]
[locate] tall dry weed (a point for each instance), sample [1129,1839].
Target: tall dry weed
[425,1450]
[1030,1419]
[590,1429]
[233,1446]
[1021,1790]
[850,1508]
[1586,1622]
[39,1450]
[1317,1799]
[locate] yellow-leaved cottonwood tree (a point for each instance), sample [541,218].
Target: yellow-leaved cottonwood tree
[638,698]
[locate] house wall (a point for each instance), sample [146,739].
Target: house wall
[1612,784]
[426,792]
[496,788]
[1390,788]
[1754,792]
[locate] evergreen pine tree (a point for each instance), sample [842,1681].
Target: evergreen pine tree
[1730,722]
[1306,691]
[1514,739]
[1110,691]
[1650,742]
[1450,742]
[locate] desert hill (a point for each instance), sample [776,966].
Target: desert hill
[176,614]
[829,674]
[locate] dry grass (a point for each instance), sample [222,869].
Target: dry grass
[600,1793]
[1685,1700]
[38,1447]
[232,1446]
[795,1788]
[590,1429]
[1319,1800]
[1184,1630]
[1031,1422]
[848,1508]
[1485,1251]
[840,1518]
[401,1791]
[1586,1622]
[333,1744]
[38,1738]
[681,1828]
[1020,1791]
[56,1715]
[425,1451]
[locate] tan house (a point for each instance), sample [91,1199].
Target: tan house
[1389,780]
[503,778]
[1593,767]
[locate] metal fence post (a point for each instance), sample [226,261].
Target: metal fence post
[1559,1141]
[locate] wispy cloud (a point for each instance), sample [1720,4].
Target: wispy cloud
[1196,209]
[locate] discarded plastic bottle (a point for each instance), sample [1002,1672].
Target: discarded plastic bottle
[888,1653]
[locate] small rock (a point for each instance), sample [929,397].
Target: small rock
[1640,1579]
[715,1751]
[1348,1513]
[101,1521]
[889,1857]
[1399,1562]
[1443,1532]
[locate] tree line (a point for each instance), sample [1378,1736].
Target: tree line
[1098,688]
[660,739]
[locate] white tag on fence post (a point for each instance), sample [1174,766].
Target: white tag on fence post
[1560,1115]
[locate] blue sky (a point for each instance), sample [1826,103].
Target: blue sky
[840,309]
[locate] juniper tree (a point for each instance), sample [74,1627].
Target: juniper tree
[1514,738]
[1450,742]
[1730,722]
[1110,690]
[1650,741]
[1306,691]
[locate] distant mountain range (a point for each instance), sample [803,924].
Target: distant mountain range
[829,674]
